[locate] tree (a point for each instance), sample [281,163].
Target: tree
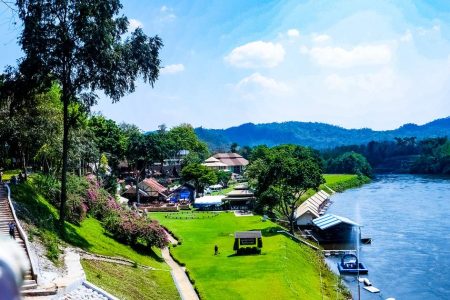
[234,147]
[80,46]
[283,176]
[349,163]
[200,175]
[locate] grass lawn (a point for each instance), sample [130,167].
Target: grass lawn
[130,283]
[91,237]
[284,270]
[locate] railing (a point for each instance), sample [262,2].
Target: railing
[22,234]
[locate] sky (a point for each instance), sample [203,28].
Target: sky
[356,64]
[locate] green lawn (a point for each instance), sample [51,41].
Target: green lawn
[284,270]
[130,283]
[91,237]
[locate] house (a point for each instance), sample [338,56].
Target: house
[241,198]
[149,190]
[214,163]
[331,228]
[311,209]
[235,163]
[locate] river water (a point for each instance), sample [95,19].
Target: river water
[408,219]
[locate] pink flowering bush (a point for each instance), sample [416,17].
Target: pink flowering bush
[126,225]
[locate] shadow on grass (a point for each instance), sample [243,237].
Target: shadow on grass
[72,237]
[269,231]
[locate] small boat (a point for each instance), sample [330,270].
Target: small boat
[350,265]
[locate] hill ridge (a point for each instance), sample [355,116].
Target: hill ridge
[315,134]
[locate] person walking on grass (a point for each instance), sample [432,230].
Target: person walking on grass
[216,250]
[12,227]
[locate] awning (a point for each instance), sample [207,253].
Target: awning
[330,220]
[247,234]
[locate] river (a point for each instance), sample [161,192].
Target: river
[408,219]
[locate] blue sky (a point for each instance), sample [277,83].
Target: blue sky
[376,64]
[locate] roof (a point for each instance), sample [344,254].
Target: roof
[231,159]
[330,220]
[210,200]
[151,185]
[214,162]
[247,234]
[311,205]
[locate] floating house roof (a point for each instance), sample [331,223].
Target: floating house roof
[330,220]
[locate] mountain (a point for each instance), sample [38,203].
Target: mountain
[316,135]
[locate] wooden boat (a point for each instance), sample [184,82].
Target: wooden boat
[350,265]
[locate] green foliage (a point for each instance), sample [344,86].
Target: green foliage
[223,177]
[84,51]
[349,163]
[282,175]
[200,175]
[434,158]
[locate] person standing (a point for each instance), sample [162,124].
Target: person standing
[1,176]
[12,228]
[216,250]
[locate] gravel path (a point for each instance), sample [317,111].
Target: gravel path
[83,293]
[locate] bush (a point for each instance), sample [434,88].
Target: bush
[75,208]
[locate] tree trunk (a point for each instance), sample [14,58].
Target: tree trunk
[62,207]
[291,220]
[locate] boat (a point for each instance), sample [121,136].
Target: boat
[350,265]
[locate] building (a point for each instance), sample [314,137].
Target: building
[331,228]
[241,198]
[235,163]
[149,190]
[312,208]
[214,163]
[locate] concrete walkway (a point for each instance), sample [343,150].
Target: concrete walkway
[184,286]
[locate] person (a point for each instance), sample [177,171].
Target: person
[216,250]
[1,176]
[12,227]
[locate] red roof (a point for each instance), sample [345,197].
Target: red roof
[231,159]
[153,186]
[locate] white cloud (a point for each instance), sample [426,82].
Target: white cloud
[338,57]
[167,14]
[257,82]
[172,69]
[293,33]
[320,38]
[257,54]
[406,37]
[134,24]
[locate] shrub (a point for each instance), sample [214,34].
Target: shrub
[75,208]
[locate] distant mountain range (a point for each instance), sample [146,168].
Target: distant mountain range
[316,135]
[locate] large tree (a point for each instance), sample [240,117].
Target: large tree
[282,176]
[80,45]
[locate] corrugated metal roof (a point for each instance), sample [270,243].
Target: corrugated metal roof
[330,220]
